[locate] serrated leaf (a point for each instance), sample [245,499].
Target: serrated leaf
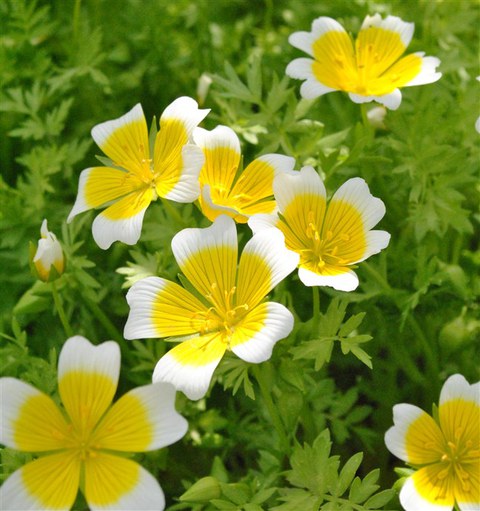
[348,473]
[351,324]
[380,499]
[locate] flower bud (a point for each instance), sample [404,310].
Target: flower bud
[203,490]
[48,261]
[376,116]
[203,85]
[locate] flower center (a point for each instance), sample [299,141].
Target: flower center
[224,315]
[456,458]
[322,251]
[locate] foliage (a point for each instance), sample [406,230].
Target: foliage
[268,436]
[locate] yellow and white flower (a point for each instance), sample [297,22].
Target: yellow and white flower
[84,443]
[228,312]
[445,450]
[140,174]
[328,238]
[48,254]
[370,70]
[221,191]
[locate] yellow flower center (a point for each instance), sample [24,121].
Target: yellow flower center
[224,315]
[322,250]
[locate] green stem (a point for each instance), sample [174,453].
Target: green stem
[272,409]
[316,309]
[110,328]
[61,310]
[369,129]
[76,17]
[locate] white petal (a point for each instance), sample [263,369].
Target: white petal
[128,230]
[325,24]
[393,23]
[15,497]
[376,242]
[300,69]
[303,41]
[80,202]
[220,136]
[192,240]
[391,101]
[262,221]
[355,191]
[147,495]
[344,282]
[187,189]
[411,500]
[141,297]
[278,325]
[78,354]
[312,88]
[404,415]
[279,162]
[192,380]
[288,186]
[477,125]
[13,395]
[268,246]
[428,72]
[457,387]
[102,131]
[186,110]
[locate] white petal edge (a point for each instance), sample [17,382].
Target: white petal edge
[102,131]
[428,72]
[287,186]
[15,497]
[393,23]
[457,387]
[344,282]
[411,500]
[128,230]
[301,69]
[220,136]
[280,163]
[355,191]
[404,415]
[192,380]
[391,101]
[303,41]
[79,354]
[146,496]
[269,246]
[262,221]
[468,506]
[159,401]
[193,240]
[376,242]
[13,395]
[186,110]
[140,298]
[278,325]
[80,204]
[187,189]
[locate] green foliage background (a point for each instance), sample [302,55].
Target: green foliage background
[414,319]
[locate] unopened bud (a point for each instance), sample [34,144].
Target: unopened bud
[48,261]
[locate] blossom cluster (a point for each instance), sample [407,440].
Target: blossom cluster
[295,224]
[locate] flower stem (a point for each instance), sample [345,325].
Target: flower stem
[61,310]
[272,409]
[316,309]
[369,129]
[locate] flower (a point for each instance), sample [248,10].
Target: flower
[227,312]
[82,445]
[445,450]
[238,198]
[370,70]
[140,174]
[48,255]
[329,239]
